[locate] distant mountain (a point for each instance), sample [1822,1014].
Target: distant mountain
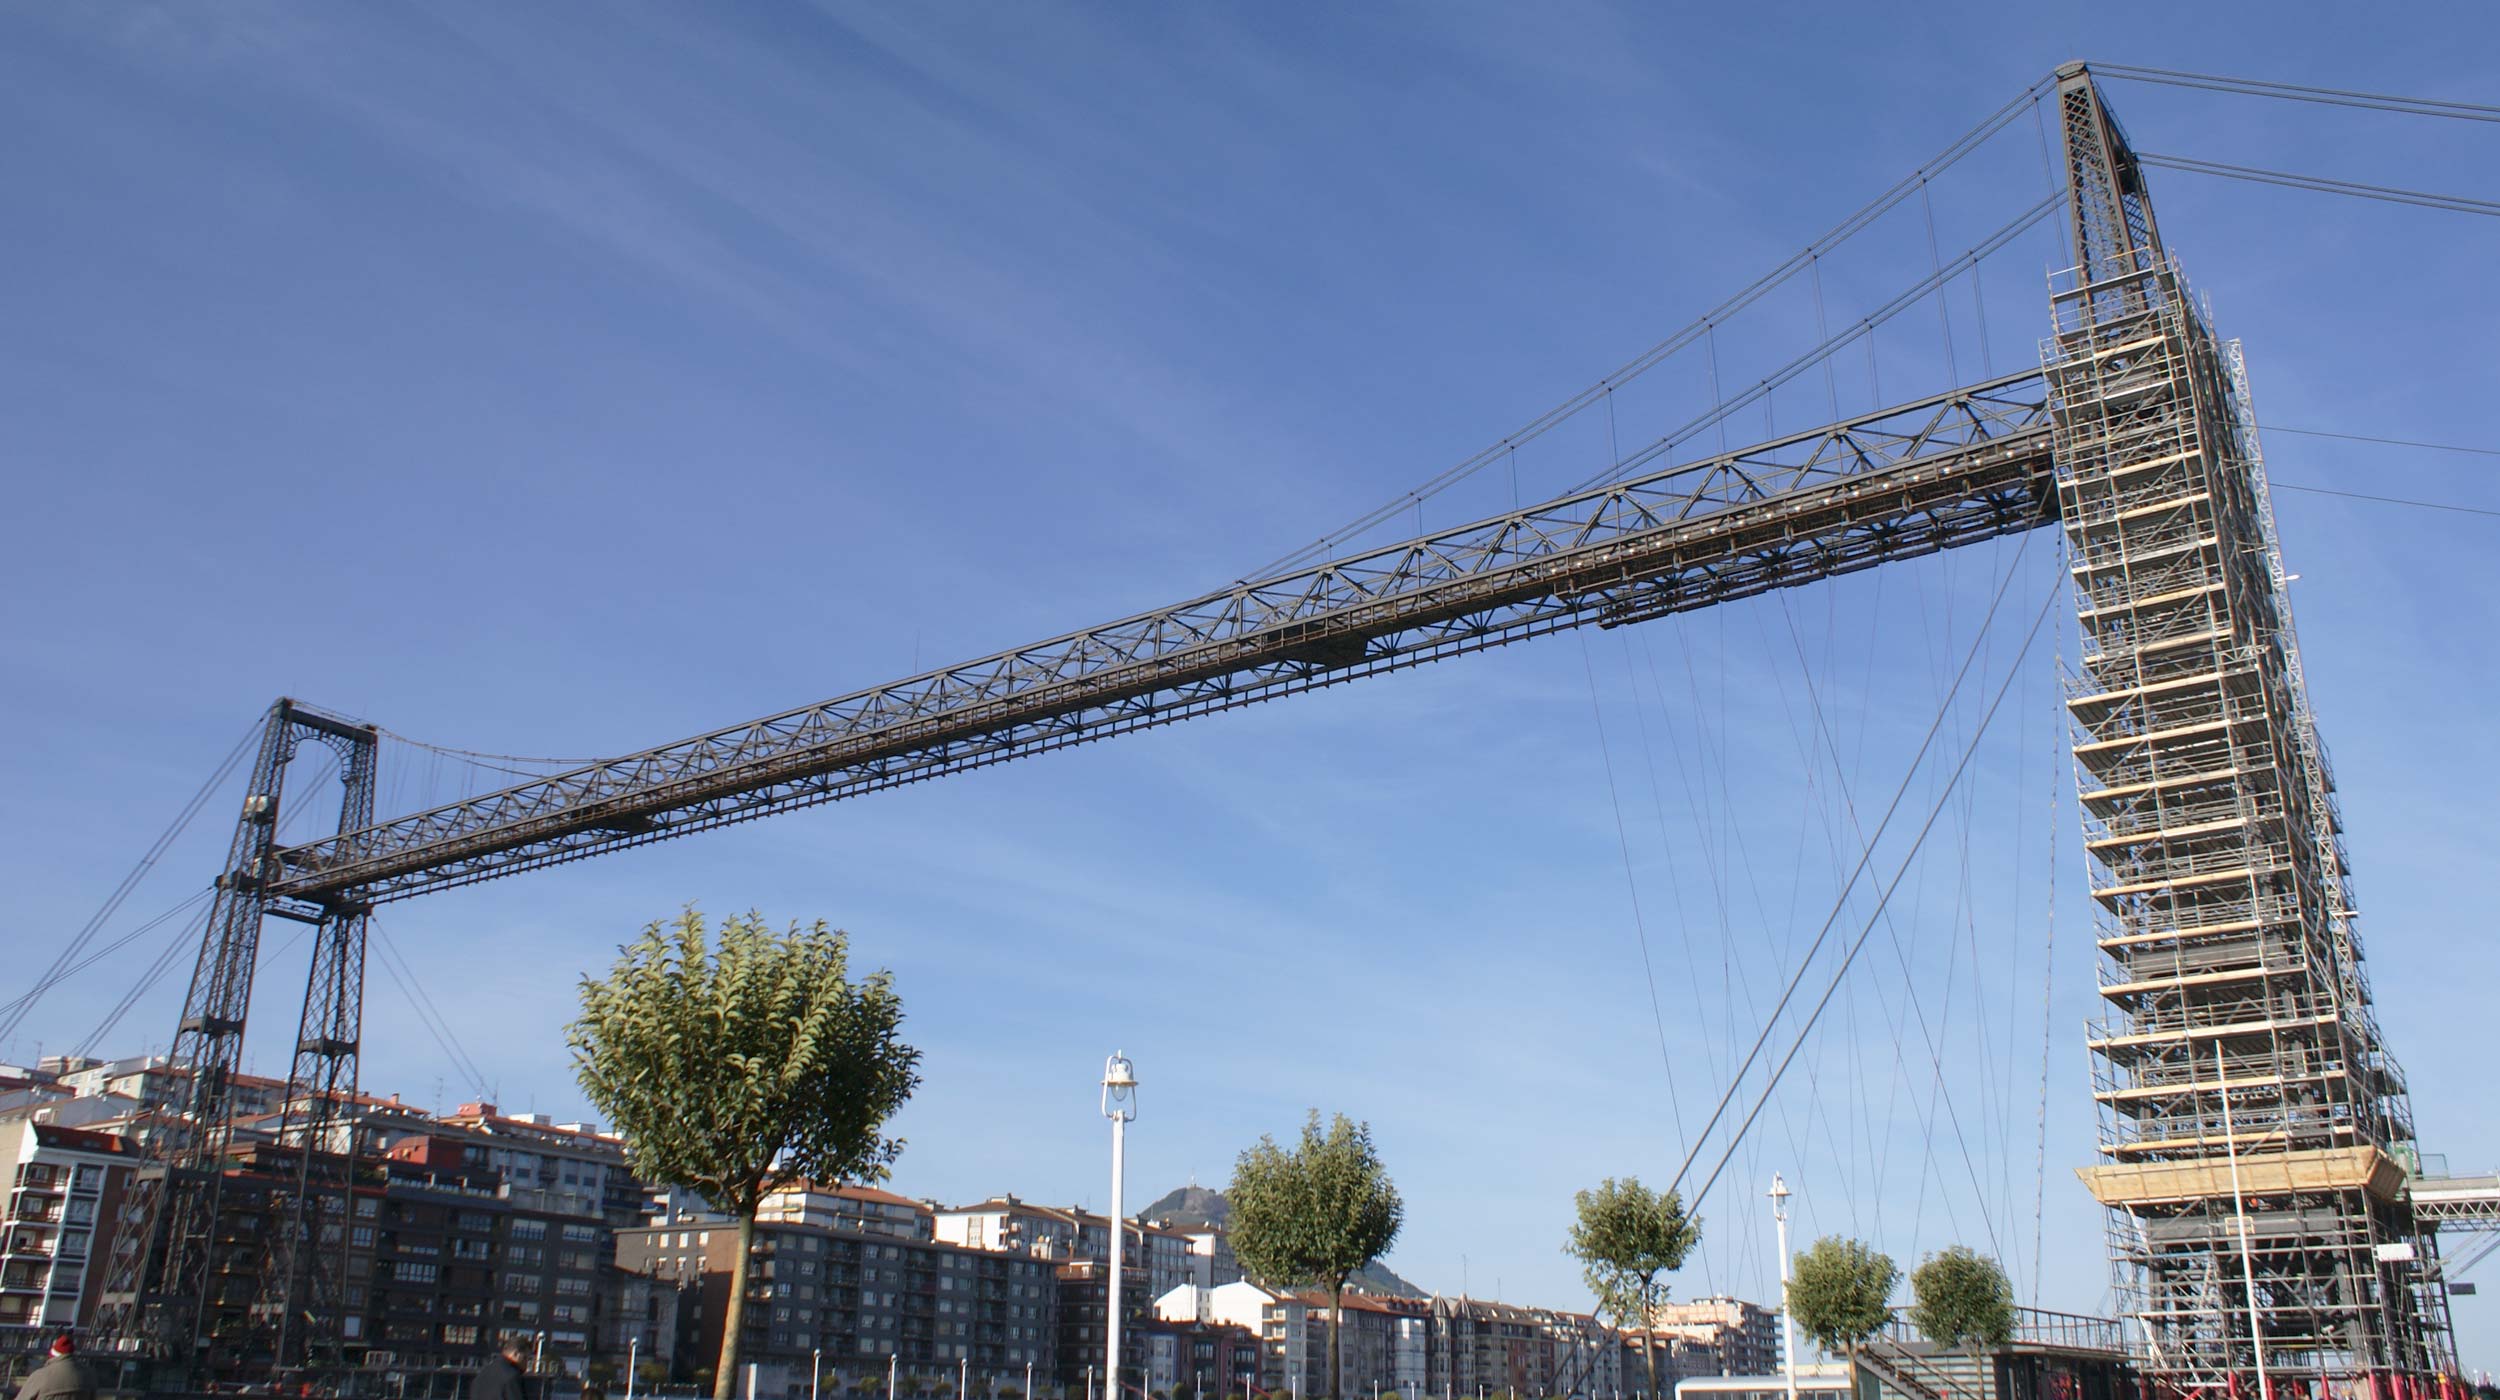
[1196,1205]
[1190,1205]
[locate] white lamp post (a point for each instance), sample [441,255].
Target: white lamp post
[1119,1104]
[1788,1315]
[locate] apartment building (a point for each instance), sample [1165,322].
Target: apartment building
[1084,1291]
[863,1208]
[460,1262]
[849,1301]
[1048,1232]
[567,1168]
[63,1186]
[1195,1360]
[1489,1347]
[1746,1336]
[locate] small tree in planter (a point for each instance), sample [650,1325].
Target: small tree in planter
[1842,1292]
[1962,1300]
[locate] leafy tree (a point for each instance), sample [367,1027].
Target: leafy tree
[1962,1298]
[1627,1237]
[1314,1215]
[729,1074]
[1841,1293]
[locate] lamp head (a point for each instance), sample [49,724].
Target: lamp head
[1779,1188]
[1119,1088]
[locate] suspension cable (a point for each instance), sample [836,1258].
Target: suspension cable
[129,882]
[1910,857]
[2298,92]
[1840,900]
[1554,417]
[2452,203]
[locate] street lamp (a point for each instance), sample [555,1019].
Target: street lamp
[1788,1315]
[1119,1104]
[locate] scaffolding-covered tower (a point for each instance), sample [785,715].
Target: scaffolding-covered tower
[2241,1077]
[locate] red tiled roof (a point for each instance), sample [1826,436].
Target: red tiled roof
[80,1139]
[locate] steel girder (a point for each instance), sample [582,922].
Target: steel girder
[1950,469]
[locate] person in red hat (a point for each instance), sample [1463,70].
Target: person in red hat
[60,1378]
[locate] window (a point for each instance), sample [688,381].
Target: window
[361,1237]
[528,1230]
[522,1283]
[74,1244]
[582,1234]
[573,1287]
[87,1178]
[79,1213]
[367,1207]
[460,1334]
[410,1271]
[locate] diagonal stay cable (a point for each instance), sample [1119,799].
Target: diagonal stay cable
[1908,859]
[1640,925]
[77,944]
[1863,328]
[1807,258]
[2383,441]
[2453,203]
[1918,1008]
[1840,900]
[2300,92]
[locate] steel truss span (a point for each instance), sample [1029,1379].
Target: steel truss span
[2256,1134]
[1969,465]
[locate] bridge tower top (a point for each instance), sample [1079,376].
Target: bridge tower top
[2109,214]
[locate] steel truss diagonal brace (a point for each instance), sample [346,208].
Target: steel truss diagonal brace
[1921,476]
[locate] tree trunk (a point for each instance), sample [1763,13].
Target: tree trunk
[1336,1329]
[1649,1353]
[734,1318]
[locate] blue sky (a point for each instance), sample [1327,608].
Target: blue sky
[556,388]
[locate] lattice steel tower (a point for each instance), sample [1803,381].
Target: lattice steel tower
[2241,1078]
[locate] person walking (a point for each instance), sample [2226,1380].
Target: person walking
[61,1378]
[499,1379]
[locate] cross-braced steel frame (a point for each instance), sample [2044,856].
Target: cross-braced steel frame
[2209,808]
[165,1278]
[2255,1134]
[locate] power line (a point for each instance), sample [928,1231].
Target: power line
[2452,203]
[2298,92]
